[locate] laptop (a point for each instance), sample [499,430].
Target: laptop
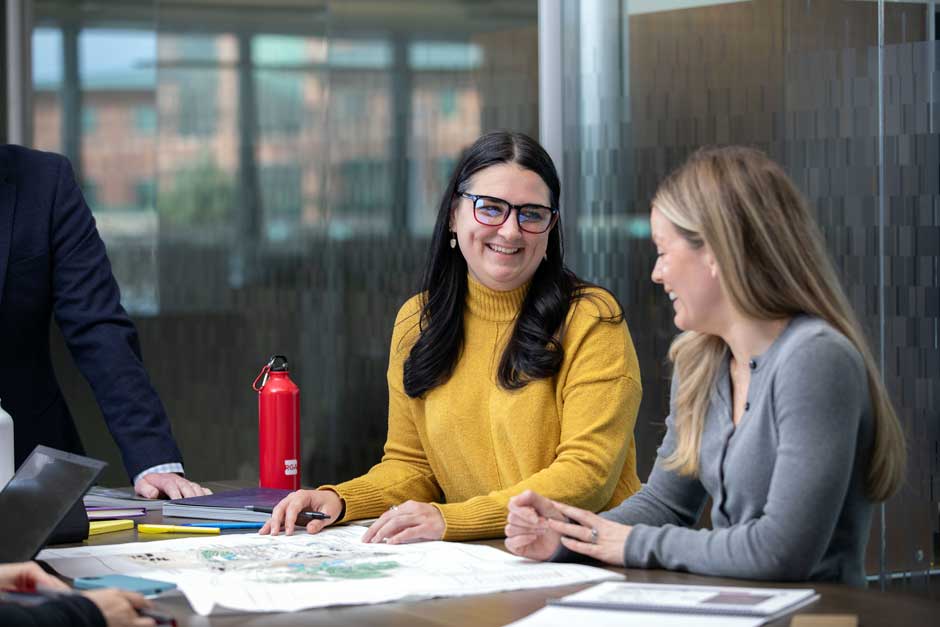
[43,490]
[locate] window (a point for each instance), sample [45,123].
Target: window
[444,168]
[90,192]
[145,193]
[198,86]
[351,104]
[364,185]
[145,119]
[89,120]
[282,199]
[280,102]
[444,55]
[448,102]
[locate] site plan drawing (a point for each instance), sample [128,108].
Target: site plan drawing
[254,573]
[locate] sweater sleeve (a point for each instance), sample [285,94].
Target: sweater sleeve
[819,399]
[668,498]
[600,399]
[71,611]
[404,472]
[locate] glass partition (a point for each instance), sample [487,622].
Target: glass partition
[842,94]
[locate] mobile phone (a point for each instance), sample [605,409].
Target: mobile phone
[146,587]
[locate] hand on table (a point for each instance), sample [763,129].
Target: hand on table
[26,577]
[591,535]
[169,484]
[119,607]
[409,522]
[527,531]
[536,526]
[286,512]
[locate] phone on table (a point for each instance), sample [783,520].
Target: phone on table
[144,586]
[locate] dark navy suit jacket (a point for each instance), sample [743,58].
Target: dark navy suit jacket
[52,261]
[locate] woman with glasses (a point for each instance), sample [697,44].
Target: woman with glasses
[506,371]
[778,411]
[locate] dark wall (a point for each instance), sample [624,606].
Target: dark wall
[3,75]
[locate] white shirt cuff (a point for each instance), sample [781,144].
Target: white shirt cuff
[174,467]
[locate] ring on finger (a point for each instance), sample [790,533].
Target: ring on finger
[393,508]
[593,535]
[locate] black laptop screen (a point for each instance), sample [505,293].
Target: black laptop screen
[38,496]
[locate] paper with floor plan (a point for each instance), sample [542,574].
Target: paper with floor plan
[253,573]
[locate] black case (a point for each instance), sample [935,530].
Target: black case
[73,528]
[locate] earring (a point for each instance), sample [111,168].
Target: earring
[545,258]
[453,240]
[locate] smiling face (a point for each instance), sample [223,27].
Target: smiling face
[501,257]
[689,276]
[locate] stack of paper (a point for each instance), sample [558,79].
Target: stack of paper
[106,513]
[119,498]
[627,604]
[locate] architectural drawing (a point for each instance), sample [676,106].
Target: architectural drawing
[254,573]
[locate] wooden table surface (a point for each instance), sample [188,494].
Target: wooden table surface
[871,606]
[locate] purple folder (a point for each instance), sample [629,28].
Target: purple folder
[105,512]
[226,505]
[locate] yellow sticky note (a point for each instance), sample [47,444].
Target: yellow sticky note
[107,526]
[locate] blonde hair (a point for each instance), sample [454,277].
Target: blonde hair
[773,265]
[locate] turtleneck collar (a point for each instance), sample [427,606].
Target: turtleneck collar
[493,305]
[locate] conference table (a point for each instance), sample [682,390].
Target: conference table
[871,606]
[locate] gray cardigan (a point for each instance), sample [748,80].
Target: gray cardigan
[787,485]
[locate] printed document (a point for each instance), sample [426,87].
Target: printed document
[255,573]
[562,616]
[677,598]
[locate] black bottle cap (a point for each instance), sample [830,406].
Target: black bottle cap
[279,363]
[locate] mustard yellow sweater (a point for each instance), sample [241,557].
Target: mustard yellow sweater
[469,445]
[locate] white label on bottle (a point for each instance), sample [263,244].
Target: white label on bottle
[290,466]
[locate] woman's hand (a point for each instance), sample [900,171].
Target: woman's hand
[409,522]
[119,607]
[527,531]
[593,536]
[26,577]
[286,512]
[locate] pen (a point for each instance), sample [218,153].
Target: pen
[228,525]
[268,510]
[176,529]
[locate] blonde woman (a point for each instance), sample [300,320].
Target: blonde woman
[777,410]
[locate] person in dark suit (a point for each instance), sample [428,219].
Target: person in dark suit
[52,261]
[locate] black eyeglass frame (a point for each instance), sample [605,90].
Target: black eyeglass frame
[475,197]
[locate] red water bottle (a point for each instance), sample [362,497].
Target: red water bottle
[278,426]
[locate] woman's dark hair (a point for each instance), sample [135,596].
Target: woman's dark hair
[534,350]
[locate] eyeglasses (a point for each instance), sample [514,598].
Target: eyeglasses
[490,211]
